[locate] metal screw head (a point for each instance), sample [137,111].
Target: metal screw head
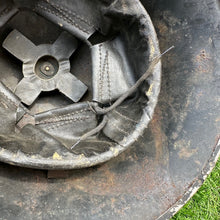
[47,69]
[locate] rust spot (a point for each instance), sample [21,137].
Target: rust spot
[113,200]
[198,98]
[163,29]
[19,203]
[203,62]
[158,134]
[198,162]
[57,174]
[186,153]
[111,177]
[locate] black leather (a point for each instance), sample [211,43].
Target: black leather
[7,10]
[120,57]
[28,140]
[69,123]
[112,73]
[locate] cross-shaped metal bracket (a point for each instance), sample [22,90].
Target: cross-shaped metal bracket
[45,67]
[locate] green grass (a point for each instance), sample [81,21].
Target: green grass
[205,204]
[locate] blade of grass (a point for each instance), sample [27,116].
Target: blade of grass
[205,204]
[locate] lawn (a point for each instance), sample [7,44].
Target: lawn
[205,204]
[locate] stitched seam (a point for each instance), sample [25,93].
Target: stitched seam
[63,17]
[64,9]
[10,100]
[67,122]
[123,116]
[55,121]
[103,74]
[108,77]
[62,117]
[100,73]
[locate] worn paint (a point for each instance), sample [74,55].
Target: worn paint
[56,156]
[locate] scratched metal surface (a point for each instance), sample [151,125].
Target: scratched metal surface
[164,168]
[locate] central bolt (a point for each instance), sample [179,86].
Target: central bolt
[47,69]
